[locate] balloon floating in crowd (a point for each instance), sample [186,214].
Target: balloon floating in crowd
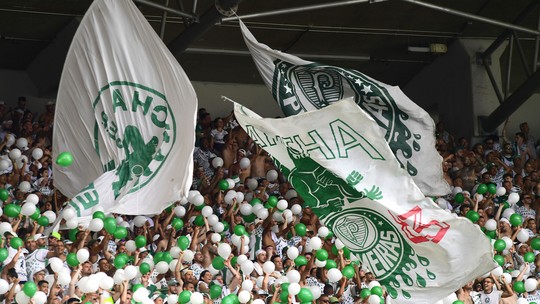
[64,159]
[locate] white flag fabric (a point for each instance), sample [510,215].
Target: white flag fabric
[338,162]
[301,86]
[126,112]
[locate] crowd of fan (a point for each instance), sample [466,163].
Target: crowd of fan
[241,235]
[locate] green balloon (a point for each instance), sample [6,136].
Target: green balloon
[16,243]
[255,201]
[492,188]
[158,257]
[4,194]
[239,230]
[223,184]
[249,218]
[177,223]
[11,210]
[535,243]
[29,289]
[200,207]
[321,254]
[3,254]
[215,291]
[218,263]
[119,262]
[183,242]
[109,223]
[473,216]
[73,234]
[36,215]
[300,229]
[459,198]
[199,220]
[519,287]
[136,286]
[376,290]
[491,234]
[365,293]
[330,264]
[457,302]
[499,259]
[72,260]
[528,257]
[284,296]
[499,245]
[225,226]
[140,241]
[184,297]
[272,201]
[120,233]
[43,221]
[234,261]
[305,295]
[516,219]
[482,189]
[99,215]
[300,261]
[64,159]
[348,272]
[167,257]
[144,268]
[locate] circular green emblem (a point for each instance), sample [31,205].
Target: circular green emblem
[133,134]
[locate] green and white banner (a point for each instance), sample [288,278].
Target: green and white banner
[337,160]
[300,86]
[126,112]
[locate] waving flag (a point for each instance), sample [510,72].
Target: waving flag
[126,112]
[338,162]
[300,86]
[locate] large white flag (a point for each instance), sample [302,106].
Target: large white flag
[126,112]
[337,161]
[301,86]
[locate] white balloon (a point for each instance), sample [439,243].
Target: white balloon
[231,183]
[442,203]
[139,220]
[179,211]
[229,197]
[252,183]
[141,294]
[334,275]
[259,281]
[216,237]
[271,175]
[207,211]
[282,204]
[241,259]
[21,298]
[522,301]
[37,153]
[244,296]
[507,277]
[175,252]
[217,162]
[184,201]
[315,291]
[293,276]
[33,198]
[320,264]
[500,191]
[69,213]
[497,272]
[5,227]
[523,236]
[219,227]
[162,267]
[292,253]
[294,289]
[248,197]
[530,284]
[22,143]
[315,243]
[56,264]
[83,255]
[72,223]
[15,154]
[64,278]
[224,250]
[339,244]
[92,284]
[212,220]
[198,200]
[188,255]
[247,285]
[245,163]
[246,209]
[491,225]
[4,286]
[239,196]
[374,299]
[10,140]
[508,241]
[130,272]
[172,298]
[296,209]
[95,225]
[247,267]
[196,298]
[106,283]
[39,297]
[268,267]
[457,190]
[372,284]
[4,164]
[28,209]
[323,231]
[263,213]
[513,198]
[508,212]
[24,186]
[118,276]
[50,215]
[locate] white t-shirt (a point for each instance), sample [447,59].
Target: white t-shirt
[20,266]
[490,298]
[35,261]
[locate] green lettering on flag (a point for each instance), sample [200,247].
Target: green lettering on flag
[118,100]
[136,101]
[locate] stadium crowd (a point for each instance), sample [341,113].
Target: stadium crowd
[242,234]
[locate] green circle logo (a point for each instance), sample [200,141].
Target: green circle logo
[134,133]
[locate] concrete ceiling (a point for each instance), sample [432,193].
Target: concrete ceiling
[373,37]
